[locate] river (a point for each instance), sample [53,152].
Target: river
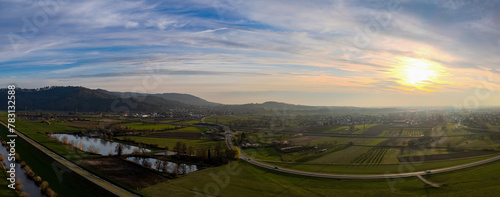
[28,184]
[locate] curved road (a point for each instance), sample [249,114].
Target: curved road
[75,168]
[228,133]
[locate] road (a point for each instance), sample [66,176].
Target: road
[427,182]
[229,133]
[75,168]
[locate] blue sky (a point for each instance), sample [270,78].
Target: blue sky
[360,53]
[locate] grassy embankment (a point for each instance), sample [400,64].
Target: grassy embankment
[61,180]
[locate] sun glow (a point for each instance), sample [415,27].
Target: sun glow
[418,73]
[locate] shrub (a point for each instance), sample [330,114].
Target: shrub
[44,186]
[51,193]
[18,185]
[37,180]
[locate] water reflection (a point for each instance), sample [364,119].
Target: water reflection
[29,186]
[164,166]
[103,147]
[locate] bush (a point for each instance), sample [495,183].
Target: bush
[51,193]
[44,186]
[37,180]
[24,194]
[18,185]
[29,172]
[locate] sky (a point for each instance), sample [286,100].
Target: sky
[330,53]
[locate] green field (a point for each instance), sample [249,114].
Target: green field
[358,129]
[190,122]
[478,181]
[61,180]
[345,140]
[375,169]
[391,156]
[267,153]
[190,130]
[170,142]
[148,126]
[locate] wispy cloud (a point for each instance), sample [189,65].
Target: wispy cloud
[254,45]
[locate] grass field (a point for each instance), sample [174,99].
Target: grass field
[391,156]
[148,126]
[478,181]
[269,183]
[345,140]
[190,129]
[431,151]
[267,153]
[170,142]
[358,129]
[376,169]
[61,180]
[190,122]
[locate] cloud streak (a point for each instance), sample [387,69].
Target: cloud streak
[255,45]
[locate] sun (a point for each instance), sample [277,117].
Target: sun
[417,73]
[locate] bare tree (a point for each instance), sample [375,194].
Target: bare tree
[119,150]
[64,139]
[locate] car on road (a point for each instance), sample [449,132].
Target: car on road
[275,167]
[428,172]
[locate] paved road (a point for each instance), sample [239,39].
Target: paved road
[427,182]
[70,165]
[229,133]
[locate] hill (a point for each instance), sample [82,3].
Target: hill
[85,100]
[183,98]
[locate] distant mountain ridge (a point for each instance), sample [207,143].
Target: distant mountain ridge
[81,99]
[86,100]
[183,98]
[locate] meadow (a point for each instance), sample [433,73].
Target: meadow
[478,181]
[148,126]
[376,169]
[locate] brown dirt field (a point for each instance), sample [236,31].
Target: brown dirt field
[444,156]
[375,130]
[186,135]
[305,139]
[125,172]
[84,124]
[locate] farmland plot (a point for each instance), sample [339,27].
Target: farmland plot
[372,156]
